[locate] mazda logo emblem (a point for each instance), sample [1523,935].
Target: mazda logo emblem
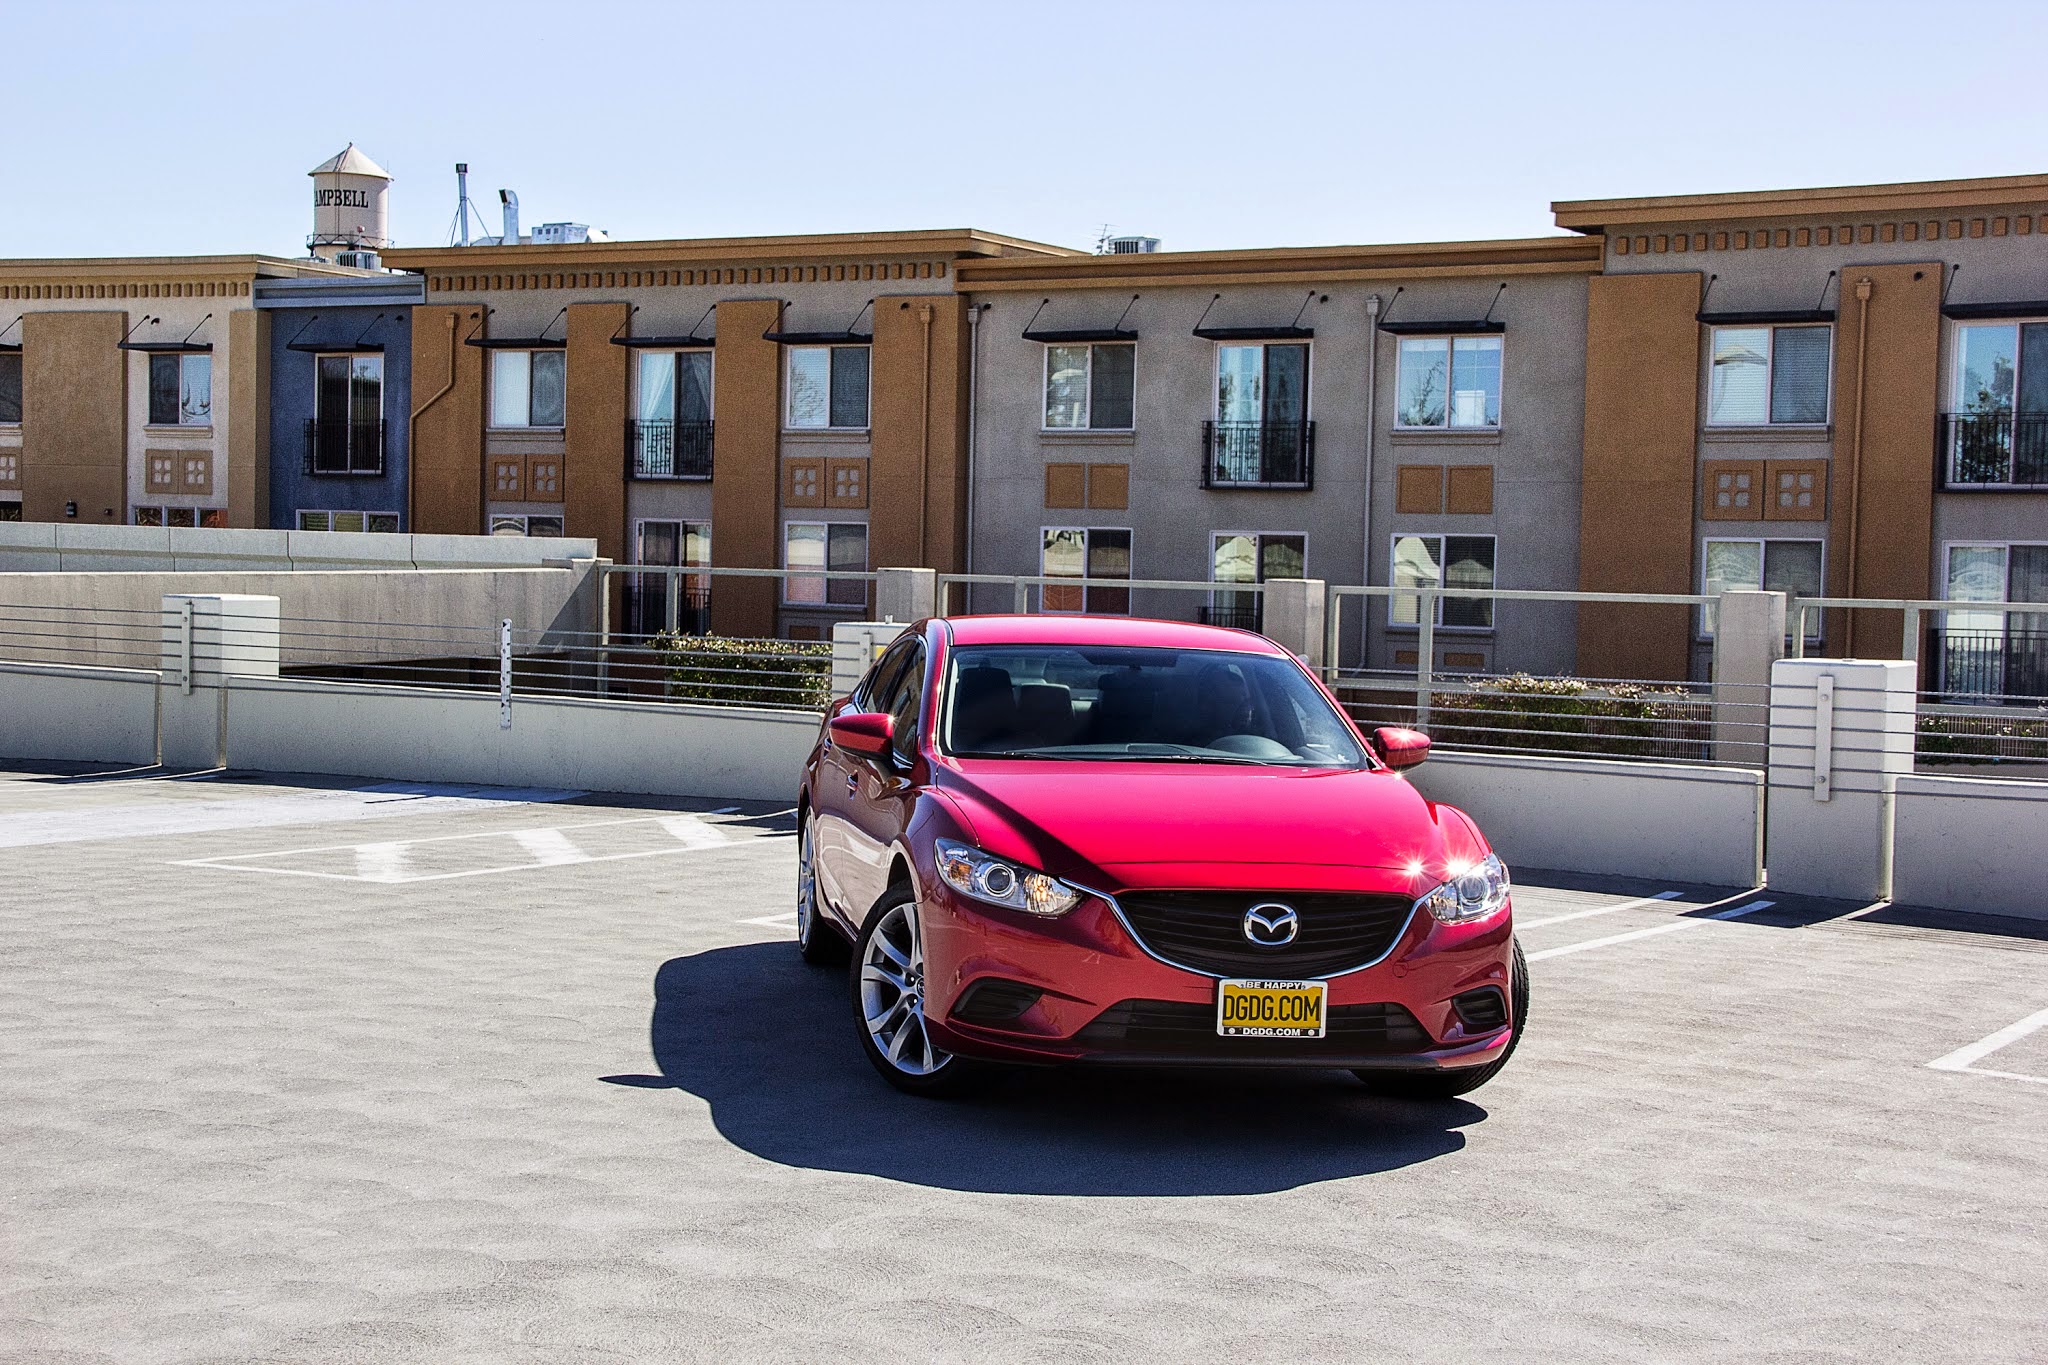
[1271,925]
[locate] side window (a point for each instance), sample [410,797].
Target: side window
[908,694]
[880,684]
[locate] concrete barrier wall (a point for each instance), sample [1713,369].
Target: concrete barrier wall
[51,547]
[1970,843]
[84,715]
[288,725]
[1652,820]
[330,616]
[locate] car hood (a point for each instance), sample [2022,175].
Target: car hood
[1159,825]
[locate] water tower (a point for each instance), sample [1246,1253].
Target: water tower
[350,222]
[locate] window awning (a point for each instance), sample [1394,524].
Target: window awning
[336,347]
[679,343]
[1448,327]
[517,343]
[818,338]
[1277,333]
[10,348]
[2023,308]
[168,347]
[1762,316]
[1074,334]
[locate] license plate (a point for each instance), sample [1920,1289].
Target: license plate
[1270,1009]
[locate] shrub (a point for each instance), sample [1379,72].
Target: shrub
[1567,715]
[1991,736]
[735,672]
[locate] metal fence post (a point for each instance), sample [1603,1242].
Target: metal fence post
[1333,607]
[1425,653]
[505,673]
[672,615]
[1020,600]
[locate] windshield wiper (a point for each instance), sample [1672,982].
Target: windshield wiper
[1189,758]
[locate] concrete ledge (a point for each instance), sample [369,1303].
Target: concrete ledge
[1652,820]
[1970,844]
[83,714]
[291,725]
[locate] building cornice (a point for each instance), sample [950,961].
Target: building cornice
[1914,197]
[1285,265]
[948,243]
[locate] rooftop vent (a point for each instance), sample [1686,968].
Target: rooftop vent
[1131,246]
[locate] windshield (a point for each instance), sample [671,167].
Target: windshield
[1109,704]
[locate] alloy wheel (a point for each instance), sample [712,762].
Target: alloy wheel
[806,886]
[892,994]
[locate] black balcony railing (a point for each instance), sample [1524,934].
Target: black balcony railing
[2009,663]
[668,450]
[647,605]
[344,447]
[1245,617]
[1258,454]
[1992,450]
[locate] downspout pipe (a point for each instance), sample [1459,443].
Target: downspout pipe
[974,312]
[412,447]
[1864,288]
[925,314]
[1372,402]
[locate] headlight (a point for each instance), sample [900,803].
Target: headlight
[1480,890]
[974,873]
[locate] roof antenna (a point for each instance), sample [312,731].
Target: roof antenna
[1205,312]
[1496,301]
[1821,302]
[1126,313]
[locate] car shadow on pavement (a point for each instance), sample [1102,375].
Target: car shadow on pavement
[768,1043]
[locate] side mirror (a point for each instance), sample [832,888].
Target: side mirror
[864,732]
[1398,747]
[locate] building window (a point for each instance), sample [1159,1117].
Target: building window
[1449,382]
[686,543]
[828,388]
[348,521]
[10,388]
[1089,388]
[1446,562]
[836,546]
[515,525]
[1249,557]
[529,388]
[1085,552]
[1990,653]
[1769,376]
[1262,385]
[1792,567]
[181,390]
[1998,423]
[675,386]
[348,414]
[206,518]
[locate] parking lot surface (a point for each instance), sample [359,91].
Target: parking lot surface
[314,1070]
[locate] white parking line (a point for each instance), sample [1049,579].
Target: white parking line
[1737,913]
[785,920]
[1966,1058]
[1596,910]
[549,847]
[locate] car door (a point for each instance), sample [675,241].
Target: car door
[839,775]
[881,791]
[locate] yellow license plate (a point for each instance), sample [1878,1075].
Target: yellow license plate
[1271,1009]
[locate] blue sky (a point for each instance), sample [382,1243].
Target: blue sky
[152,129]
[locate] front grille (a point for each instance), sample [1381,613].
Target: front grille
[1170,1027]
[1340,931]
[993,1000]
[1481,1011]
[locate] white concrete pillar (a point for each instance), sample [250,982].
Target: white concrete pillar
[208,638]
[855,646]
[1749,637]
[906,595]
[1293,617]
[1841,732]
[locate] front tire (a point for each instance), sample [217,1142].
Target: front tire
[888,1001]
[1446,1085]
[816,940]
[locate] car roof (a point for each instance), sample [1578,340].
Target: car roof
[1132,631]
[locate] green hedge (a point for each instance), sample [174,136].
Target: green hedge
[1567,715]
[1994,736]
[716,668]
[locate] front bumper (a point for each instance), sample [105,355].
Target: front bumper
[1106,999]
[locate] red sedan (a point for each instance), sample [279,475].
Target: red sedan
[1087,839]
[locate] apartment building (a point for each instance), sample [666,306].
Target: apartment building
[1374,414]
[340,364]
[1818,390]
[133,391]
[780,402]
